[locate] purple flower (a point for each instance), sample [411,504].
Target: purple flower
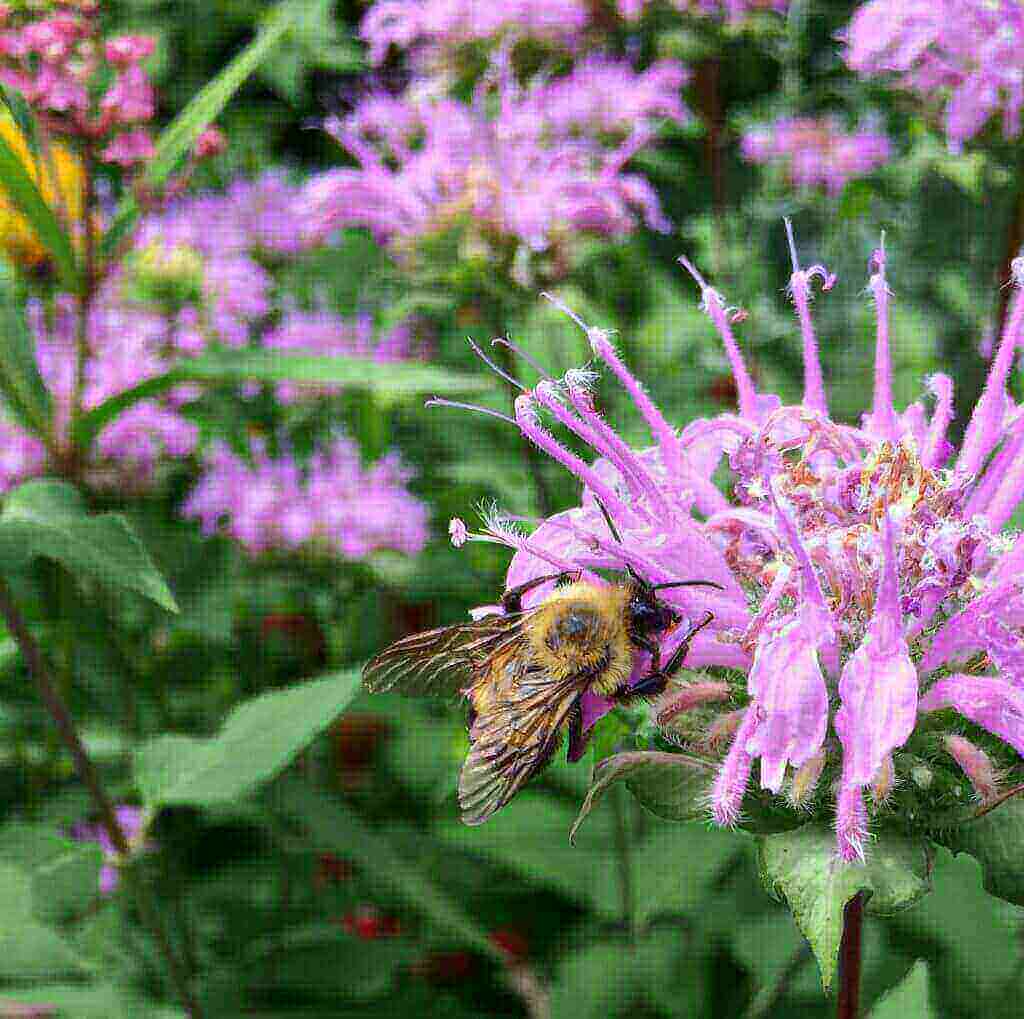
[549,162]
[332,503]
[967,54]
[432,23]
[861,567]
[816,152]
[132,821]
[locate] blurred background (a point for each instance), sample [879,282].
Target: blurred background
[389,179]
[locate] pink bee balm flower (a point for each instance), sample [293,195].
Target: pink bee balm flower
[966,54]
[817,152]
[865,584]
[332,503]
[539,165]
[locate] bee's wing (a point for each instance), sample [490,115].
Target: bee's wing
[441,661]
[514,737]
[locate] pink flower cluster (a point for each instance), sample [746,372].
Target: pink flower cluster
[408,23]
[539,169]
[817,152]
[430,25]
[968,54]
[861,567]
[55,60]
[332,504]
[194,279]
[125,348]
[224,240]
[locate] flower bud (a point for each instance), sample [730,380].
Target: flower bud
[976,765]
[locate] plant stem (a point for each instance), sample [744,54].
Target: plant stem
[624,861]
[849,959]
[90,778]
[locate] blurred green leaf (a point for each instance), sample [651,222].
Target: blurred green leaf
[672,786]
[257,740]
[49,519]
[30,952]
[64,874]
[910,998]
[995,840]
[22,385]
[660,970]
[323,961]
[802,868]
[388,382]
[102,1001]
[25,196]
[333,825]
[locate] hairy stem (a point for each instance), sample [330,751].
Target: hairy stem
[849,959]
[90,778]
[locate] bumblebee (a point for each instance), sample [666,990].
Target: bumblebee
[524,673]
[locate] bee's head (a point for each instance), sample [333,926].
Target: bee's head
[649,616]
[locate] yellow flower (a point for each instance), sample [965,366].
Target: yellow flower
[18,240]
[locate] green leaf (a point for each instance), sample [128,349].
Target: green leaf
[333,826]
[178,137]
[101,1001]
[529,837]
[29,951]
[25,196]
[995,840]
[671,786]
[910,998]
[22,385]
[257,740]
[660,971]
[64,874]
[49,519]
[319,959]
[388,382]
[801,867]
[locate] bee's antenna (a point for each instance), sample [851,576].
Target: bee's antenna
[687,583]
[608,520]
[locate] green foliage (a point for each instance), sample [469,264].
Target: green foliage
[49,519]
[911,997]
[257,740]
[801,867]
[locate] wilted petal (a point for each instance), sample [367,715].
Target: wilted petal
[988,701]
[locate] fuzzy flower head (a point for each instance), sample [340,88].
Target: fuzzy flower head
[520,169]
[816,152]
[964,55]
[132,821]
[331,504]
[869,604]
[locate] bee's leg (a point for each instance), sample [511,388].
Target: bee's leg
[652,649]
[578,740]
[676,661]
[655,682]
[512,601]
[651,685]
